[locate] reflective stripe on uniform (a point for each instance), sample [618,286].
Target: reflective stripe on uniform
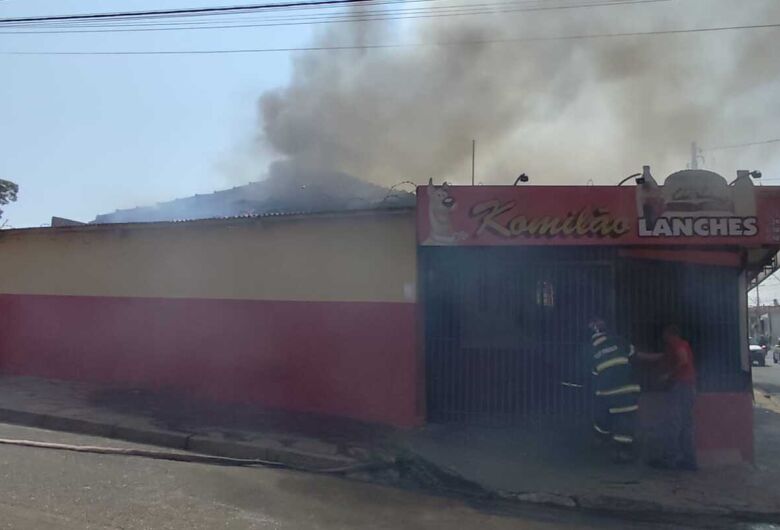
[628,389]
[623,439]
[602,352]
[599,340]
[617,361]
[599,429]
[621,410]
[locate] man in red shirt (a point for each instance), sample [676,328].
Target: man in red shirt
[678,451]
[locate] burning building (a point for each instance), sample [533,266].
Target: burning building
[469,306]
[287,189]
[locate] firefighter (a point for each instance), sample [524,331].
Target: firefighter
[616,401]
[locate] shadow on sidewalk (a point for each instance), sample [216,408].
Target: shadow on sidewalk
[551,458]
[239,422]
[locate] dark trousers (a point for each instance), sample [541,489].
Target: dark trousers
[678,435]
[614,418]
[670,439]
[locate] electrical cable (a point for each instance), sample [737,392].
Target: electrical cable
[747,144]
[185,11]
[268,7]
[480,42]
[133,17]
[440,12]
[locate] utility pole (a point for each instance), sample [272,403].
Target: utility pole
[694,156]
[473,156]
[758,311]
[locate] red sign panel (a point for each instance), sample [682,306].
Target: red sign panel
[691,208]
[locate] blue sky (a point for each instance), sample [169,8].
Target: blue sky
[88,134]
[84,135]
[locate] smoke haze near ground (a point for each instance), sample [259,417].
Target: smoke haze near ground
[564,111]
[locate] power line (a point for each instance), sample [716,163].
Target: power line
[748,144]
[144,20]
[212,18]
[408,45]
[129,17]
[186,11]
[245,9]
[329,19]
[403,14]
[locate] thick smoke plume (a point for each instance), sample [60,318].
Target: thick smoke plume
[559,110]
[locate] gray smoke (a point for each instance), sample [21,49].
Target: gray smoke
[560,110]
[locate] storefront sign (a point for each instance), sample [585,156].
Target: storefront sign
[588,222]
[691,208]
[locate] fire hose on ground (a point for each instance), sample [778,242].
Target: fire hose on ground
[414,470]
[178,456]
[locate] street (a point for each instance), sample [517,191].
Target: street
[767,377]
[47,489]
[766,382]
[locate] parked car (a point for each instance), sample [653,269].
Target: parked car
[758,354]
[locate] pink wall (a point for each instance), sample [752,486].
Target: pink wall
[352,359]
[724,421]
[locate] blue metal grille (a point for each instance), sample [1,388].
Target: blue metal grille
[505,327]
[703,300]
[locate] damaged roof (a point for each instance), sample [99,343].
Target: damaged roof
[287,191]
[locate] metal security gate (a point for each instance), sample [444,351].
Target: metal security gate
[703,300]
[505,327]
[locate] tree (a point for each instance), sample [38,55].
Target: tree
[8,192]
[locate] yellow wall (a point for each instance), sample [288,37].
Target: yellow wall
[353,257]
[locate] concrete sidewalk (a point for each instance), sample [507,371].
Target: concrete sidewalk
[164,419]
[556,467]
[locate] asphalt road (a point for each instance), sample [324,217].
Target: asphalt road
[45,489]
[767,377]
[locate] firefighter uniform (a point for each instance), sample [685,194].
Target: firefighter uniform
[617,392]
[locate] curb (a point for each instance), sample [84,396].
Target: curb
[617,506]
[267,450]
[626,506]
